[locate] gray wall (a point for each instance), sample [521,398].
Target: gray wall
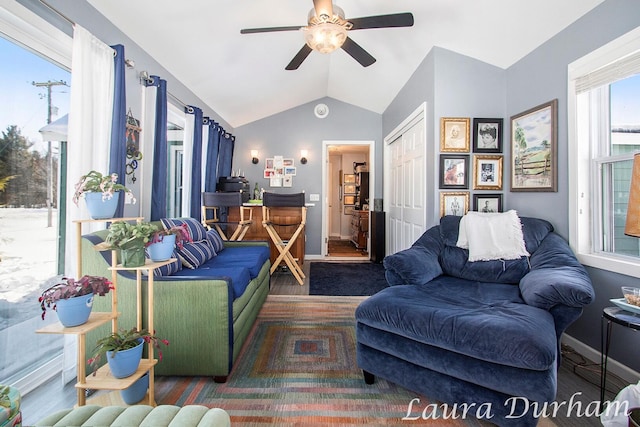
[453,85]
[289,132]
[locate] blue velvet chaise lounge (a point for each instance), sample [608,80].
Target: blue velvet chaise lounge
[484,333]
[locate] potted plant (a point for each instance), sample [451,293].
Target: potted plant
[131,239]
[160,247]
[101,193]
[123,350]
[73,299]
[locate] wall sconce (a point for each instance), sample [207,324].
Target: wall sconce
[254,157]
[303,157]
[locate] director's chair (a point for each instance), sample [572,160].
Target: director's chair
[271,222]
[219,204]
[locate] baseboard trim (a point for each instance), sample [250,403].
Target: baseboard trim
[613,366]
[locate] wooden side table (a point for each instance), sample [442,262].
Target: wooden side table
[611,315]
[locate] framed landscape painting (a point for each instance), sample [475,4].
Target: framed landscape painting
[534,149]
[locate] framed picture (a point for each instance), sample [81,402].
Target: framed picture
[275,182]
[534,149]
[454,171]
[268,163]
[268,173]
[487,172]
[454,134]
[349,189]
[287,181]
[487,202]
[349,178]
[452,203]
[487,135]
[290,170]
[349,200]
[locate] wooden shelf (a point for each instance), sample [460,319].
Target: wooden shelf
[148,265]
[95,319]
[104,380]
[114,399]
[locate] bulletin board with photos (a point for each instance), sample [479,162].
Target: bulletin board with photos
[279,171]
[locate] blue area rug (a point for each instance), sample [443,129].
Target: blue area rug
[346,279]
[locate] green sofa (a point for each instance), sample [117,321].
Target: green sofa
[199,311]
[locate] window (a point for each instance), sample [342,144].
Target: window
[34,77]
[604,133]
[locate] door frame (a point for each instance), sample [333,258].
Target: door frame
[325,186]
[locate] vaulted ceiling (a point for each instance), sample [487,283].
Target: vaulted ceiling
[243,78]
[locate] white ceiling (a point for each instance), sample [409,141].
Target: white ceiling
[242,77]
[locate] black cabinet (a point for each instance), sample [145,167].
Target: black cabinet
[377,236]
[362,190]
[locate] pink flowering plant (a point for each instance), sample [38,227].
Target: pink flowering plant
[180,231]
[95,182]
[69,288]
[124,340]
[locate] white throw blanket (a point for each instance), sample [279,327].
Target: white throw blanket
[490,236]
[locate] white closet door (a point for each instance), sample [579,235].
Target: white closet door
[407,208]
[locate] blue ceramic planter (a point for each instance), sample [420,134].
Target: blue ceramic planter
[74,311]
[161,251]
[126,362]
[101,209]
[136,392]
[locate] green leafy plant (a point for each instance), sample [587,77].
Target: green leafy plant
[95,182]
[180,231]
[124,340]
[124,235]
[69,288]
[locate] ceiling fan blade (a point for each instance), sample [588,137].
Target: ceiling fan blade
[269,29]
[383,21]
[323,7]
[358,53]
[299,58]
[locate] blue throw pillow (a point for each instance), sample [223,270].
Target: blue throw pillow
[169,269]
[194,254]
[196,229]
[216,241]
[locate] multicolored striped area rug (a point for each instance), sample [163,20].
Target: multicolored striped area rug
[298,368]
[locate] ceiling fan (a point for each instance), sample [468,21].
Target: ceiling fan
[327,29]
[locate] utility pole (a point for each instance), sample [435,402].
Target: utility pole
[48,85]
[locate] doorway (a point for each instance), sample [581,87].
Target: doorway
[341,198]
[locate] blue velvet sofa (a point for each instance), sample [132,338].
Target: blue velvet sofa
[482,336]
[205,306]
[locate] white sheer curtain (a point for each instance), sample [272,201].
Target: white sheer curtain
[147,137]
[89,139]
[189,129]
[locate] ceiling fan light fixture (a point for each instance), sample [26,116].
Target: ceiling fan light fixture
[326,37]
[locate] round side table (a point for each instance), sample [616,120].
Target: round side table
[611,315]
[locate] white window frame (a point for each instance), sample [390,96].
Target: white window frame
[583,185]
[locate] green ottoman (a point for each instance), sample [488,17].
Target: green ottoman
[10,415]
[138,415]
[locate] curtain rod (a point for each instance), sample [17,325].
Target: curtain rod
[57,12]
